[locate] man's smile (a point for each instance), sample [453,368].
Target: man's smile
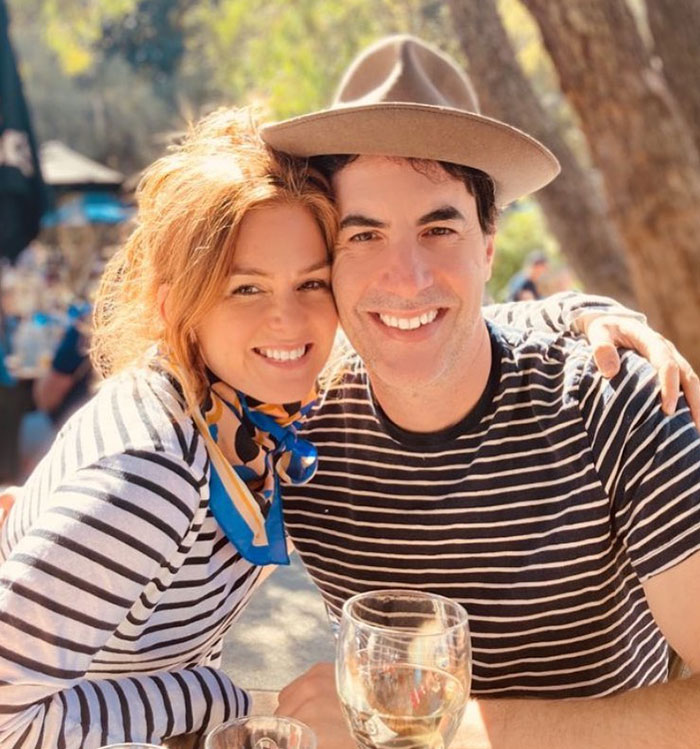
[408,323]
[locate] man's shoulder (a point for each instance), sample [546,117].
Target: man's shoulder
[525,348]
[574,356]
[634,389]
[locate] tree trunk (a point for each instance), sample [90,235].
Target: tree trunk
[574,208]
[675,26]
[644,151]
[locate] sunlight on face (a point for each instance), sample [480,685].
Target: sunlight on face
[273,329]
[409,271]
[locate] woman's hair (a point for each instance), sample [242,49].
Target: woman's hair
[191,204]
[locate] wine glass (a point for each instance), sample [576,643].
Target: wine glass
[403,669]
[261,732]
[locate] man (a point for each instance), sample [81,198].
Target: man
[496,467]
[524,285]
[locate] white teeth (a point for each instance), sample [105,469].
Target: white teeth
[408,323]
[282,354]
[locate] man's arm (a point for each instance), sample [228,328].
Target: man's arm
[650,464]
[666,716]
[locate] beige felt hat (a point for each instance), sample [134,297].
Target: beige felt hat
[401,97]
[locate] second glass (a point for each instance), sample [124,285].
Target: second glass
[261,732]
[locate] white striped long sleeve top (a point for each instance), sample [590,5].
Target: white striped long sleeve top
[116,583]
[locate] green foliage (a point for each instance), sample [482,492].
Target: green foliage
[71,28]
[91,112]
[287,54]
[151,39]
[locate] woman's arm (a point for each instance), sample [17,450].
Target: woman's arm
[102,552]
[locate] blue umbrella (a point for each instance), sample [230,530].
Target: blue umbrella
[89,208]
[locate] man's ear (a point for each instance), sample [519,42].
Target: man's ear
[162,300]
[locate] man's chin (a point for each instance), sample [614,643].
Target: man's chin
[407,374]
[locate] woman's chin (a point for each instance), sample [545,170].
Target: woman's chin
[279,392]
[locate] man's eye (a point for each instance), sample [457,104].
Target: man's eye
[245,290]
[439,231]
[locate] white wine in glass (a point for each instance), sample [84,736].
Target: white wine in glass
[403,669]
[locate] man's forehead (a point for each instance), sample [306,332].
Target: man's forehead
[427,167]
[365,175]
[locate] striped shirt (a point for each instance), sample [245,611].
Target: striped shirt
[116,583]
[543,511]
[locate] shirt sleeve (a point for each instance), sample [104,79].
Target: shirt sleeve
[558,313]
[108,543]
[649,464]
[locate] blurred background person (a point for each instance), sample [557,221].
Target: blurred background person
[525,283]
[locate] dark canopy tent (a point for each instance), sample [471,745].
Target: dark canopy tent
[22,195]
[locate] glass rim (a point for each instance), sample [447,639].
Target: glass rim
[461,611]
[249,718]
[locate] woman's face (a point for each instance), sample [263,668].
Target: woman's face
[271,333]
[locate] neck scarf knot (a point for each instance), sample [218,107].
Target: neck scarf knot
[252,446]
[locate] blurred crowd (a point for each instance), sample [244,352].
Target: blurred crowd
[45,312]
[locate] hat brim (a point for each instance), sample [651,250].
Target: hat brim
[518,163]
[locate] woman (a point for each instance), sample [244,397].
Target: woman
[128,555]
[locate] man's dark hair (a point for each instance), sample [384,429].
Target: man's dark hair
[478,183]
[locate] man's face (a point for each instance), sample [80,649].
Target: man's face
[409,270]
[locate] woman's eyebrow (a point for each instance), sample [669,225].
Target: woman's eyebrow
[250,271]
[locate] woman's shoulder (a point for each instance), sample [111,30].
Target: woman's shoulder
[138,411]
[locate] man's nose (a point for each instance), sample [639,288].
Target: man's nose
[407,267]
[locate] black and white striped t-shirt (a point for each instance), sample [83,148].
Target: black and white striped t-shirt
[542,512]
[116,582]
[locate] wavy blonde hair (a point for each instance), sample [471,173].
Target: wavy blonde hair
[191,204]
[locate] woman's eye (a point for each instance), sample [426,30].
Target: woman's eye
[245,290]
[314,284]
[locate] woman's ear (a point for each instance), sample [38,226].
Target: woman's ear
[162,300]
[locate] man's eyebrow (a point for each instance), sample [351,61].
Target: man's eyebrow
[240,270]
[444,213]
[357,219]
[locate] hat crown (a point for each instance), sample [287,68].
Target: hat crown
[403,68]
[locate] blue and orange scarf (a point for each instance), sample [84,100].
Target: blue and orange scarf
[252,447]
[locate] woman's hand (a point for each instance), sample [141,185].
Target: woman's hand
[607,333]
